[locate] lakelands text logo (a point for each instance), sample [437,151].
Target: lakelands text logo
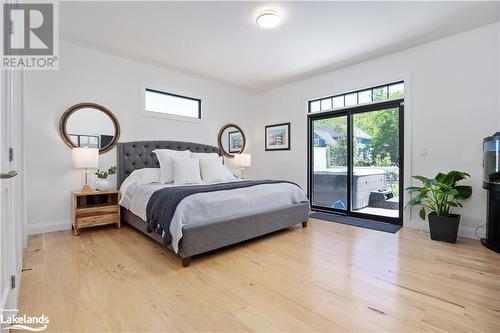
[11,321]
[30,36]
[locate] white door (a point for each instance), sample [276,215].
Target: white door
[11,196]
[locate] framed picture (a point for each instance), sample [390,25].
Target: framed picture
[235,142]
[278,137]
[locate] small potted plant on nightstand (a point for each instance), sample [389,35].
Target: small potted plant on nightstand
[440,196]
[101,182]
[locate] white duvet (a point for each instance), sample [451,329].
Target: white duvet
[202,208]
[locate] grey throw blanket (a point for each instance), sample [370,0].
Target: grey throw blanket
[162,204]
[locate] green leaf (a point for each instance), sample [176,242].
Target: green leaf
[415,201]
[423,179]
[452,177]
[440,177]
[449,191]
[421,213]
[463,192]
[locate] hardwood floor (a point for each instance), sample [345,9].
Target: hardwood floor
[326,277]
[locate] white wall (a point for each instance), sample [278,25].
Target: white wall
[451,104]
[86,75]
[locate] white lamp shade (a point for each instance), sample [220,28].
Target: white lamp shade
[243,160]
[85,158]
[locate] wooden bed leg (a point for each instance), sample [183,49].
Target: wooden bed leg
[304,224]
[186,261]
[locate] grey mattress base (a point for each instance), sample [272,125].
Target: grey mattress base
[203,238]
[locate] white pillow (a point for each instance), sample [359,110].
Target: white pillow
[202,156]
[146,175]
[227,173]
[186,171]
[212,170]
[165,158]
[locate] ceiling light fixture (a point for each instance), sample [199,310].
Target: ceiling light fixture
[268,19]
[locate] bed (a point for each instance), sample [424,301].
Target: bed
[198,238]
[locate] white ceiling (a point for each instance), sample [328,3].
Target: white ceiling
[220,40]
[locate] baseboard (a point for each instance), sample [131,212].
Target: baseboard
[465,231]
[40,228]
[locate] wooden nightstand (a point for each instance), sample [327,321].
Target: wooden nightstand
[95,208]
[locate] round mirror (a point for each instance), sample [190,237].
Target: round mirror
[231,140]
[89,125]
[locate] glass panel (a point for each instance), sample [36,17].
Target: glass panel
[168,104]
[330,162]
[365,96]
[315,106]
[491,147]
[326,104]
[351,99]
[396,90]
[94,141]
[375,179]
[74,139]
[84,141]
[379,94]
[338,102]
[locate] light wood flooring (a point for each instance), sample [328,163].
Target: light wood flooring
[327,277]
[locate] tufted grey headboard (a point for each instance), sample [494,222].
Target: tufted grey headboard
[139,154]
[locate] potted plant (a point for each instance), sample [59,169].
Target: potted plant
[102,178]
[440,196]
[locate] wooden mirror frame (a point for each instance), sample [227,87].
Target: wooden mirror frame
[219,139]
[72,109]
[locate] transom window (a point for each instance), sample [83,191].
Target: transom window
[171,104]
[376,94]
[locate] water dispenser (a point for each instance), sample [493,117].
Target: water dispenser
[491,182]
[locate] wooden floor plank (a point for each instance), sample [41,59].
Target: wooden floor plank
[326,277]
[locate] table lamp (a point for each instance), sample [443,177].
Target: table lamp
[243,161]
[86,158]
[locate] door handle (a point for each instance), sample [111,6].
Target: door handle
[8,175]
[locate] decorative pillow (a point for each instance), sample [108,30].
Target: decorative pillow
[186,171]
[165,158]
[146,176]
[228,174]
[212,170]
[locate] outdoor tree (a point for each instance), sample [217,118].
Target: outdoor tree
[338,149]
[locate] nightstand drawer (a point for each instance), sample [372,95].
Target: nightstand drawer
[104,210]
[90,221]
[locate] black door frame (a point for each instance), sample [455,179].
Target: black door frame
[348,113]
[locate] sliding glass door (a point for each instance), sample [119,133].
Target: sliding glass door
[330,162]
[375,161]
[355,159]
